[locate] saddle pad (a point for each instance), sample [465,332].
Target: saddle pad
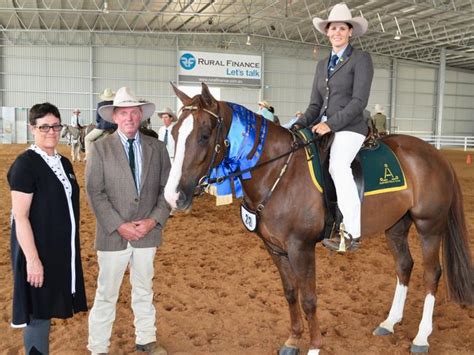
[382,170]
[312,156]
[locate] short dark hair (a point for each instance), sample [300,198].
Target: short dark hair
[40,110]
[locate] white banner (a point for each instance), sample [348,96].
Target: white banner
[226,69]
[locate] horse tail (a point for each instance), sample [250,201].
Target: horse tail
[456,253]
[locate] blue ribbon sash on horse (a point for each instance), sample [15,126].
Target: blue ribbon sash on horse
[241,139]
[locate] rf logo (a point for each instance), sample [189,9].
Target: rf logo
[187,61]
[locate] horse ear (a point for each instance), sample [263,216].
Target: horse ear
[185,99]
[207,96]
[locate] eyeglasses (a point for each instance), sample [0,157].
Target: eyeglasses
[45,128]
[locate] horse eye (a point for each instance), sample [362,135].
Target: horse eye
[204,138]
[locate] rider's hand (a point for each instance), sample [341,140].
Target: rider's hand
[321,128]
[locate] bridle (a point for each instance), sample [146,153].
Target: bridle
[204,181]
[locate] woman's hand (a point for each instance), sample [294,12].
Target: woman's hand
[35,273]
[321,128]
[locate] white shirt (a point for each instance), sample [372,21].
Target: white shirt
[170,143]
[75,120]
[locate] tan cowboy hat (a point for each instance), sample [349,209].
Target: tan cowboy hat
[125,97]
[168,111]
[76,110]
[264,104]
[378,108]
[107,95]
[341,13]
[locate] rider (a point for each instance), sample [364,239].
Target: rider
[340,92]
[106,97]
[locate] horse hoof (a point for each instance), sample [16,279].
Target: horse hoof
[419,348]
[379,331]
[288,350]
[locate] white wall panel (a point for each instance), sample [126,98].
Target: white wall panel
[73,76]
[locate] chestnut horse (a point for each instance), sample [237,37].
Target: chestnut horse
[293,216]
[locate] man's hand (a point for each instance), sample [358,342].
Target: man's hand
[321,128]
[144,226]
[129,231]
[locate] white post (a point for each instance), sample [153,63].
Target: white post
[440,96]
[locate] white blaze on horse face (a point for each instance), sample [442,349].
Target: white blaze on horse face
[171,195]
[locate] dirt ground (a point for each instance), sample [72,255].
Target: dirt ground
[218,292]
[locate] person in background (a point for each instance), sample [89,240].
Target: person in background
[101,125]
[45,248]
[293,120]
[75,119]
[380,120]
[164,133]
[276,120]
[126,173]
[340,93]
[264,110]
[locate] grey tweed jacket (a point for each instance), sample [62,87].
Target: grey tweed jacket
[343,95]
[113,196]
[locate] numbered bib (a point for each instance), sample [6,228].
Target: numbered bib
[249,218]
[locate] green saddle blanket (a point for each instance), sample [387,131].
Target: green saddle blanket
[381,169]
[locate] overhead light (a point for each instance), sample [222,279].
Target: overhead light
[248,43]
[105,9]
[397,36]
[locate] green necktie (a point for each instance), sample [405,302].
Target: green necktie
[131,158]
[166,138]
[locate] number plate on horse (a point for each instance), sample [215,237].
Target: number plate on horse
[249,218]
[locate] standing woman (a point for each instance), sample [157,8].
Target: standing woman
[340,93]
[46,260]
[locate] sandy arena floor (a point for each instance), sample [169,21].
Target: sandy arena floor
[218,292]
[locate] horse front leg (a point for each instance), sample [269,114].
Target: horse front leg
[301,256]
[290,288]
[73,153]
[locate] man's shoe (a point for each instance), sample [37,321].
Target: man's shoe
[152,348]
[348,244]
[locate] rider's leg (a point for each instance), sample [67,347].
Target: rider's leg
[344,148]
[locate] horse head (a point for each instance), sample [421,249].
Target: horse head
[199,136]
[64,130]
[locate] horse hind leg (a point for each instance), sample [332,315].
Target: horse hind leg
[290,288]
[397,238]
[431,232]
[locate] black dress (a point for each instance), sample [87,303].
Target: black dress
[51,225]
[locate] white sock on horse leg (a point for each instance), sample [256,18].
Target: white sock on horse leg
[396,311]
[426,324]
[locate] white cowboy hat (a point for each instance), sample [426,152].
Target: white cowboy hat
[107,95]
[76,110]
[378,108]
[168,111]
[341,13]
[125,97]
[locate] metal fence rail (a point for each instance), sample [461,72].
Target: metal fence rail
[449,141]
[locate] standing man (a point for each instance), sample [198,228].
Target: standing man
[126,173]
[101,125]
[164,133]
[75,120]
[380,120]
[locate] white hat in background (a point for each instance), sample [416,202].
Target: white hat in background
[125,97]
[168,111]
[107,95]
